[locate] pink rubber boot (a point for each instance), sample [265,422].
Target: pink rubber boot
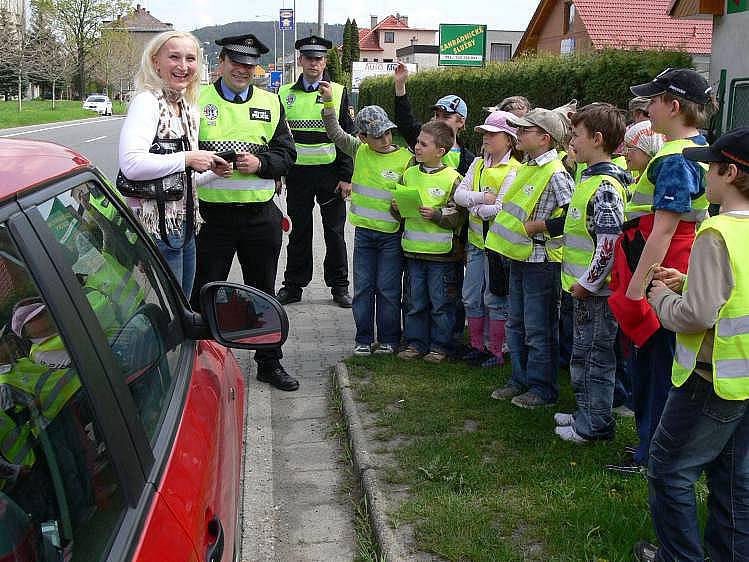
[476,332]
[497,338]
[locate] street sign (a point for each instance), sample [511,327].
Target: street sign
[462,45]
[362,70]
[275,80]
[286,20]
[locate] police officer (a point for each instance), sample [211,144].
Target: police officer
[238,209]
[321,172]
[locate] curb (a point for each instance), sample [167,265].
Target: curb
[390,549]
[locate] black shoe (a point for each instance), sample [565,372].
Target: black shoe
[342,299]
[287,296]
[627,467]
[645,551]
[277,376]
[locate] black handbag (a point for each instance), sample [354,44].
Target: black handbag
[168,188]
[499,275]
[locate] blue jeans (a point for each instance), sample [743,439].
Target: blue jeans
[533,327]
[181,261]
[478,300]
[623,382]
[593,367]
[651,381]
[432,296]
[378,275]
[566,331]
[700,431]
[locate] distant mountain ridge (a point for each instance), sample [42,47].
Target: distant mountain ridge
[263,30]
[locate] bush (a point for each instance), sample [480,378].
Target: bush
[548,81]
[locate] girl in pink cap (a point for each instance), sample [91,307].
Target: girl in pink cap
[481,192]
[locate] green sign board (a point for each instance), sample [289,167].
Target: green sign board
[734,6]
[462,44]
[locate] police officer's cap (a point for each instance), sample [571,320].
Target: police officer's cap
[313,46]
[243,49]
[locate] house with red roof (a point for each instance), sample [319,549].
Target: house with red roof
[567,26]
[384,37]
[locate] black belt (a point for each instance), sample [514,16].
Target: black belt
[631,223]
[704,366]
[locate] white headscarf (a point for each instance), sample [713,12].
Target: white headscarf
[642,136]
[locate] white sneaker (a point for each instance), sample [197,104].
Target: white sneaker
[362,349]
[505,348]
[563,420]
[623,411]
[568,433]
[385,348]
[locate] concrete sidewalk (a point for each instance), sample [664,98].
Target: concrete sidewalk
[294,506]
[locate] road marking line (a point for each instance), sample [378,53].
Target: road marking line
[86,122]
[96,138]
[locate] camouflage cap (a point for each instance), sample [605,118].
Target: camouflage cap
[373,121]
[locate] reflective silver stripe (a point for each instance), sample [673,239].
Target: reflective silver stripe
[685,357]
[372,192]
[515,210]
[732,368]
[574,270]
[694,215]
[258,184]
[41,382]
[10,439]
[509,235]
[635,214]
[476,227]
[554,243]
[373,214]
[428,236]
[23,451]
[126,302]
[323,150]
[640,198]
[306,124]
[54,394]
[728,327]
[579,242]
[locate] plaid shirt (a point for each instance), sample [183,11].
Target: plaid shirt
[558,192]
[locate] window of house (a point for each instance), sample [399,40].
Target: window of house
[387,60]
[500,52]
[390,37]
[569,17]
[364,59]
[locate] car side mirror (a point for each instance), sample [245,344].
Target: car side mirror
[243,317]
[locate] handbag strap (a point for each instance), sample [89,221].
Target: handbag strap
[189,207]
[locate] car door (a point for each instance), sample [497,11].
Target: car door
[182,402]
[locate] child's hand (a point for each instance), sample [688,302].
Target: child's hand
[426,213]
[656,287]
[579,292]
[326,91]
[400,76]
[490,198]
[394,205]
[671,278]
[534,227]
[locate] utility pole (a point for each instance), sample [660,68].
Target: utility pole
[293,54]
[320,18]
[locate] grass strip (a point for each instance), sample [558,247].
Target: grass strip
[36,112]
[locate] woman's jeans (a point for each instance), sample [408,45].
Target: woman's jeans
[180,260]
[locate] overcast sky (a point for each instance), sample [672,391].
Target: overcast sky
[496,14]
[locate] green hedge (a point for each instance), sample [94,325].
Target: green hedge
[548,81]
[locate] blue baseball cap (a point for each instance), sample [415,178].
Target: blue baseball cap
[452,104]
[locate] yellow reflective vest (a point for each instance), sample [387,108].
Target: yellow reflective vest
[423,236]
[244,127]
[485,180]
[303,114]
[731,341]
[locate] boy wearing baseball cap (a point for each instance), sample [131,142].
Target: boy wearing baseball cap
[667,203]
[705,423]
[532,207]
[378,257]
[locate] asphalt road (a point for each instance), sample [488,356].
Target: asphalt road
[96,138]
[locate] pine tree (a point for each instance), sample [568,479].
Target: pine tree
[334,65]
[346,51]
[354,54]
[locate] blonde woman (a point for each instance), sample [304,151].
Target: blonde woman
[164,107]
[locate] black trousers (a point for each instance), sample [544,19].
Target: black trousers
[252,231]
[304,185]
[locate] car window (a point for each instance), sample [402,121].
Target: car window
[128,292]
[96,98]
[60,498]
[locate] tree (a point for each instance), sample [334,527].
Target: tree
[355,53]
[115,56]
[334,65]
[81,21]
[17,53]
[53,68]
[346,47]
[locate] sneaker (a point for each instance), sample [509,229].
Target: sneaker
[288,296]
[410,353]
[505,348]
[563,420]
[507,391]
[630,449]
[473,354]
[362,349]
[623,411]
[493,361]
[342,299]
[645,551]
[386,349]
[627,467]
[435,357]
[530,400]
[568,433]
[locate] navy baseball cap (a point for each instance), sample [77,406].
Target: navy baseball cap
[682,82]
[733,148]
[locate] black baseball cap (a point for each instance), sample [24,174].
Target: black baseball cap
[733,148]
[243,49]
[682,82]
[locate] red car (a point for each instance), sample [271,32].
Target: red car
[121,409]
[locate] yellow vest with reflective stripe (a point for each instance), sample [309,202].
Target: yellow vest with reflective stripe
[641,202]
[54,387]
[303,114]
[582,166]
[731,342]
[579,246]
[451,159]
[16,442]
[485,180]
[244,127]
[423,236]
[113,286]
[507,234]
[372,184]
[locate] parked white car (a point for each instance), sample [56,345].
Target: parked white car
[99,103]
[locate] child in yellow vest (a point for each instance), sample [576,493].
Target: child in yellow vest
[378,258]
[481,193]
[705,422]
[432,248]
[591,228]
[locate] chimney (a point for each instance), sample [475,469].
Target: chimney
[404,20]
[372,22]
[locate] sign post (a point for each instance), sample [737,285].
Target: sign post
[462,45]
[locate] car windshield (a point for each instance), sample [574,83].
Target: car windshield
[96,98]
